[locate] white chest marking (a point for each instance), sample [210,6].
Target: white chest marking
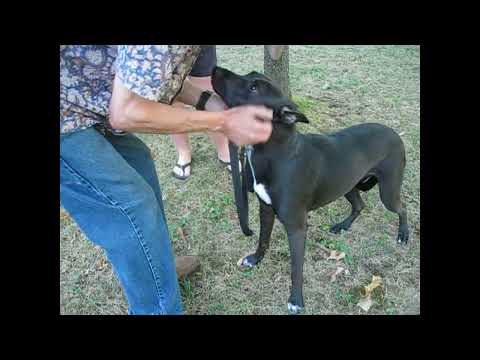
[262,192]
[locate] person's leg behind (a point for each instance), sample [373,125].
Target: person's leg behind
[200,75]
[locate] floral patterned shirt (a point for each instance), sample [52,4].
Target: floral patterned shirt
[155,72]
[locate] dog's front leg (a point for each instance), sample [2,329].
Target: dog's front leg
[296,241]
[267,218]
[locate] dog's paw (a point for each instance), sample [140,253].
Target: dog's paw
[294,309]
[337,228]
[247,262]
[402,237]
[248,232]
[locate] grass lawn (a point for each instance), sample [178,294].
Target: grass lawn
[336,87]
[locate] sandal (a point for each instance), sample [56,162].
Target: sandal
[181,167]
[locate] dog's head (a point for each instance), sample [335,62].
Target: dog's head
[255,89]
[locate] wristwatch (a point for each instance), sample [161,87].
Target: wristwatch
[203,100]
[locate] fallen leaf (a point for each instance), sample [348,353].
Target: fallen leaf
[327,250]
[63,215]
[336,273]
[318,256]
[365,303]
[376,282]
[181,233]
[102,264]
[336,255]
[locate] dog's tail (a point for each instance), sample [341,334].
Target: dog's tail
[367,183]
[240,190]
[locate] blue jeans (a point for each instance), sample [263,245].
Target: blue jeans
[109,186]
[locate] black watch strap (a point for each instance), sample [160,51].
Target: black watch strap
[203,100]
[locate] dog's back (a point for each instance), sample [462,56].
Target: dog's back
[371,137]
[358,149]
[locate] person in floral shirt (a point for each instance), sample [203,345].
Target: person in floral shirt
[108,181]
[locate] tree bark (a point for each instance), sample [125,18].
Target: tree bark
[275,66]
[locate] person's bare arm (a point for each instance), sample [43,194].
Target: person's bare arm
[242,125]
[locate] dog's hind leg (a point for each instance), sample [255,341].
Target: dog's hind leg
[390,184]
[357,203]
[267,218]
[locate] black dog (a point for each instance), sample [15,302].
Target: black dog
[294,173]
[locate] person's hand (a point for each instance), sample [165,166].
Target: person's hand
[244,125]
[248,125]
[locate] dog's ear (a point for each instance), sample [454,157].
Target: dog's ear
[291,116]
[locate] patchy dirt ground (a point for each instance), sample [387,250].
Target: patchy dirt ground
[336,86]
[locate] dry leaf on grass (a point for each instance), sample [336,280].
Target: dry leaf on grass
[181,233]
[63,215]
[336,273]
[376,282]
[332,254]
[336,255]
[327,250]
[102,264]
[366,302]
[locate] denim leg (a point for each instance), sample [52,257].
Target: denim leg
[138,156]
[118,209]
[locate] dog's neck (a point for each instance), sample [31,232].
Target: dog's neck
[283,135]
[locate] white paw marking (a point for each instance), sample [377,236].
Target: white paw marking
[399,241]
[244,263]
[262,192]
[294,309]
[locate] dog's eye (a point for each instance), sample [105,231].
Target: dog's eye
[253,87]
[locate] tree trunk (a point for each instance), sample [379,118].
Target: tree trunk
[275,66]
